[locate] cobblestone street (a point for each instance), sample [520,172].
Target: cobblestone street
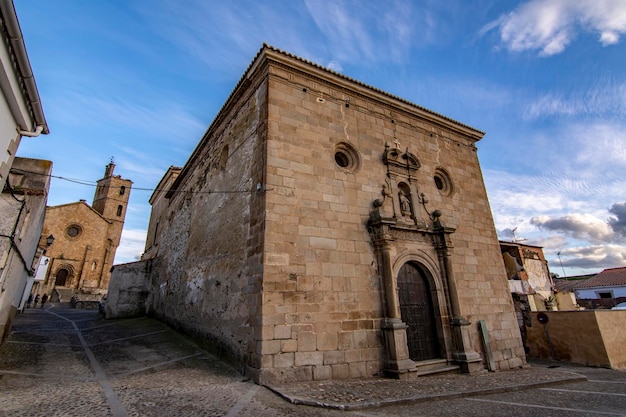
[61,361]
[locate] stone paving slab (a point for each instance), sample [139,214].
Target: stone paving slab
[66,362]
[377,392]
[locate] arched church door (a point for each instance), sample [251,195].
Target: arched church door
[416,309]
[61,277]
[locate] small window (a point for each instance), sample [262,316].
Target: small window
[443,182]
[347,157]
[224,157]
[119,210]
[342,159]
[122,190]
[74,230]
[605,295]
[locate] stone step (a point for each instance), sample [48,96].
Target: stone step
[63,295]
[450,369]
[436,366]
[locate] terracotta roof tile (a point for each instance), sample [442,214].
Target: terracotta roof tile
[608,278]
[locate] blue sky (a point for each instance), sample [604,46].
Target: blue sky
[141,80]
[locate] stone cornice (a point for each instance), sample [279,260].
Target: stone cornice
[269,56]
[356,87]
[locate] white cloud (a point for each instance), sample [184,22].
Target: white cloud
[617,220]
[165,120]
[595,257]
[583,171]
[142,169]
[131,246]
[377,33]
[606,99]
[549,26]
[581,226]
[334,66]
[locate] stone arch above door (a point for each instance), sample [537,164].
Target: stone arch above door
[426,262]
[63,276]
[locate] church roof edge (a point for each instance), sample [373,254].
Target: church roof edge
[279,52]
[268,52]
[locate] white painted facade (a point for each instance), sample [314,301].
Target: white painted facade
[595,292]
[21,113]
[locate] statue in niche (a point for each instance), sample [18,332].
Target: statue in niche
[405,204]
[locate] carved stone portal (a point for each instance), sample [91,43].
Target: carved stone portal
[396,214]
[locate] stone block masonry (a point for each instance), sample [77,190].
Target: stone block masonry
[295,276]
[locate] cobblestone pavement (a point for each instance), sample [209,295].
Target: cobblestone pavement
[60,361]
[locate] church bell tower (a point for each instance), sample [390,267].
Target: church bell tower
[111,201]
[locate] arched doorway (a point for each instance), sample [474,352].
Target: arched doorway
[416,310]
[61,278]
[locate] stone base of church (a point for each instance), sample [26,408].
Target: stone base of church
[470,362]
[405,370]
[398,364]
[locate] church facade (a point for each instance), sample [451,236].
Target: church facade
[325,229]
[85,239]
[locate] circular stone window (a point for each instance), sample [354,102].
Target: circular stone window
[443,181]
[74,230]
[347,157]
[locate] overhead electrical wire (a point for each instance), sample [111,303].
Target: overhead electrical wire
[94,184]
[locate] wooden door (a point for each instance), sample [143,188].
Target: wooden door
[61,277]
[416,309]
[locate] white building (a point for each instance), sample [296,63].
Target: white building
[21,113]
[610,283]
[21,217]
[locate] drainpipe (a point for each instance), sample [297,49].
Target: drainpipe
[34,134]
[16,42]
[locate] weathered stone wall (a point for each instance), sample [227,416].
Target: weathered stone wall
[129,289]
[591,337]
[158,213]
[210,244]
[286,277]
[322,296]
[21,221]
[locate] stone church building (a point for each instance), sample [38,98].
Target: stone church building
[325,229]
[85,239]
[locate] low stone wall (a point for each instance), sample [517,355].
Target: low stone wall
[590,337]
[86,301]
[129,290]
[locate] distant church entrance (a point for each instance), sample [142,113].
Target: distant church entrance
[416,309]
[61,277]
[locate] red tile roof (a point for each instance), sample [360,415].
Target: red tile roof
[612,277]
[565,284]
